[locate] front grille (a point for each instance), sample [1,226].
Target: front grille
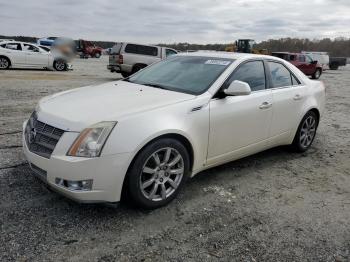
[41,138]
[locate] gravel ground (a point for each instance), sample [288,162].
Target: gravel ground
[273,206]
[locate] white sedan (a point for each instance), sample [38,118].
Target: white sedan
[146,134]
[25,55]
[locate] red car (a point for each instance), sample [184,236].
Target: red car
[303,62]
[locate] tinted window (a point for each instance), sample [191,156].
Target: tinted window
[280,75]
[169,52]
[14,46]
[141,49]
[252,73]
[301,58]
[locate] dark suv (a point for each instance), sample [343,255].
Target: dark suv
[303,62]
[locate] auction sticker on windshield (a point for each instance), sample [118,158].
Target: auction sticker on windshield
[217,62]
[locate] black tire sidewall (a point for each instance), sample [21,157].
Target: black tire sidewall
[134,172]
[65,65]
[8,63]
[296,142]
[314,76]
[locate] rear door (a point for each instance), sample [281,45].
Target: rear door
[15,53]
[35,57]
[288,97]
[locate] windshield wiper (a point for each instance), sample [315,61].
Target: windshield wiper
[155,85]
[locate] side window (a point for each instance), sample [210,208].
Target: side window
[30,48]
[14,46]
[141,50]
[280,75]
[169,52]
[252,73]
[301,58]
[308,59]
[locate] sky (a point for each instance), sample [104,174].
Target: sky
[164,21]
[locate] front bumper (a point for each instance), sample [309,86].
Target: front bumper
[107,172]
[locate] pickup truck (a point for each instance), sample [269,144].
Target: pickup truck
[128,58]
[302,61]
[335,62]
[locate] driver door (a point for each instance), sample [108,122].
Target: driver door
[239,125]
[35,57]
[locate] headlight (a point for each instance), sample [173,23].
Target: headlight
[91,140]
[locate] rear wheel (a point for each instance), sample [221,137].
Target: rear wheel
[158,173]
[97,55]
[317,74]
[4,63]
[137,68]
[60,65]
[306,132]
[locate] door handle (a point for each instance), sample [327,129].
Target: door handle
[265,105]
[297,97]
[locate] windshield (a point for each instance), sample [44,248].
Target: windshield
[187,74]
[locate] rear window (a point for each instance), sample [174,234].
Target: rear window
[116,49]
[141,50]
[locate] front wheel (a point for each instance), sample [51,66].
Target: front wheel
[317,74]
[97,55]
[306,132]
[158,173]
[60,65]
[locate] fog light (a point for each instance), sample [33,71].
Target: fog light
[80,185]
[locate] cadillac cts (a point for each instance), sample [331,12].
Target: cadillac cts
[146,134]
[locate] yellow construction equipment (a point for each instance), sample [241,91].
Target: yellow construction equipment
[246,46]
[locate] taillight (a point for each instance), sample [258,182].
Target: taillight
[120,59]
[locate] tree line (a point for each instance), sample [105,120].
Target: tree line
[335,47]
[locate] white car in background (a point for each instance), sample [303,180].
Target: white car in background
[15,54]
[146,134]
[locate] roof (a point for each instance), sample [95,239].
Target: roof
[231,55]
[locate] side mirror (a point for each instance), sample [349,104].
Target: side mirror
[238,88]
[314,62]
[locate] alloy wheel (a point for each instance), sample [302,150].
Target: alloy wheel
[307,131]
[161,174]
[4,63]
[60,65]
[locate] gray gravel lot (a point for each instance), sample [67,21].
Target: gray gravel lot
[273,206]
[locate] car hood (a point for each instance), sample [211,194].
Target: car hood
[75,109]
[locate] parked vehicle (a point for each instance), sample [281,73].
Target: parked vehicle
[128,58]
[322,58]
[7,40]
[146,134]
[304,62]
[47,41]
[335,62]
[88,49]
[26,55]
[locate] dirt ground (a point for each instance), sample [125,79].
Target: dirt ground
[273,206]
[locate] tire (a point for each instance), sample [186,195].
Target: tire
[158,173]
[317,74]
[306,132]
[125,74]
[60,65]
[4,63]
[97,55]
